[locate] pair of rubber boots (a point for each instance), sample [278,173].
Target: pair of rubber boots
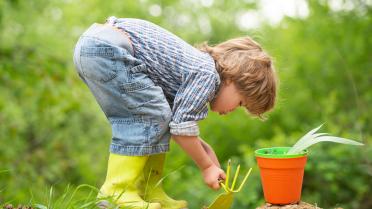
[135,182]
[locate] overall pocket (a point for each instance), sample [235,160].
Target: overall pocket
[142,96]
[131,132]
[139,90]
[97,63]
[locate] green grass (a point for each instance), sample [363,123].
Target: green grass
[77,198]
[68,200]
[71,199]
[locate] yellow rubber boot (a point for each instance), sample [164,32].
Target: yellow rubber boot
[152,190]
[123,173]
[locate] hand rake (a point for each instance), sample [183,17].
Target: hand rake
[225,200]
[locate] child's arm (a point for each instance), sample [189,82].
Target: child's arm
[210,152]
[192,145]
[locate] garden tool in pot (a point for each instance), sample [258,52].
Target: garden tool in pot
[225,200]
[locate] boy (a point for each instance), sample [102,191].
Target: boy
[152,86]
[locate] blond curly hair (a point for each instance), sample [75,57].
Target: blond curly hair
[250,68]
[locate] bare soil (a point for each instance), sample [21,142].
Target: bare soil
[301,205]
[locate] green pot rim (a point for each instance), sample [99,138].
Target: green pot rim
[260,153]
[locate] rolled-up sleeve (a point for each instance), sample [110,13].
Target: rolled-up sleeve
[190,103]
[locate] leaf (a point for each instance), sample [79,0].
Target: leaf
[323,139]
[312,138]
[223,201]
[306,137]
[40,206]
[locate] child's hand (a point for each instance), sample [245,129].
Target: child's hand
[211,176]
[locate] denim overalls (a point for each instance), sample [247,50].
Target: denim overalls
[135,107]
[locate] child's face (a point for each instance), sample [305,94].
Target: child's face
[227,99]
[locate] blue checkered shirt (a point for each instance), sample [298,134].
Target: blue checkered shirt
[187,75]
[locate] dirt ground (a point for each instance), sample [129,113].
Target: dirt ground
[301,205]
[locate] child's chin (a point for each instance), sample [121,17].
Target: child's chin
[211,107]
[217,111]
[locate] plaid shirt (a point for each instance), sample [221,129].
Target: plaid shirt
[187,76]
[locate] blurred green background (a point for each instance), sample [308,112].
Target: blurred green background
[53,134]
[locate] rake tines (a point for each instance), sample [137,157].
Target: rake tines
[229,188]
[225,200]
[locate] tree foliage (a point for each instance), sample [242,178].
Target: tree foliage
[52,132]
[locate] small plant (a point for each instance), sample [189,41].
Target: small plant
[282,168]
[312,138]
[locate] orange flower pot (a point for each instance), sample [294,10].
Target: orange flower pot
[281,174]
